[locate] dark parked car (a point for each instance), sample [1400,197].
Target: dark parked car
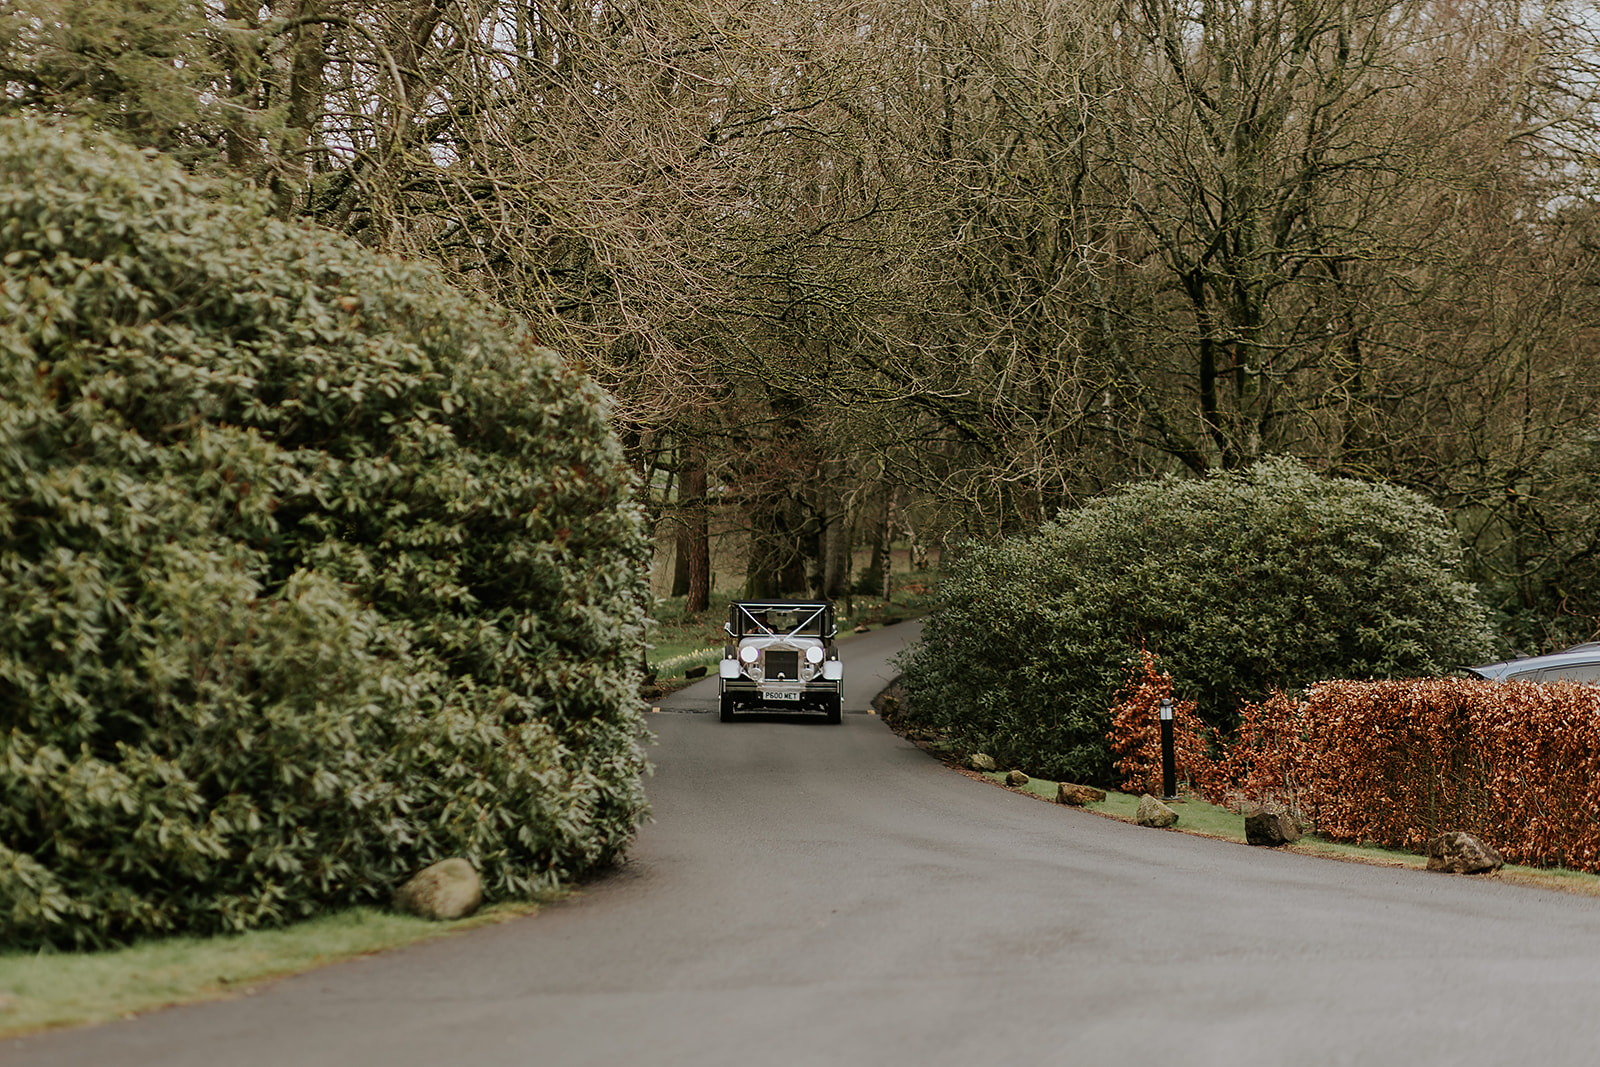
[1580,663]
[781,656]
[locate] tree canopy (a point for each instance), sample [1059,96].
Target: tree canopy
[967,263]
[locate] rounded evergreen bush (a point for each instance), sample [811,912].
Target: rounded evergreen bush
[312,571]
[1272,577]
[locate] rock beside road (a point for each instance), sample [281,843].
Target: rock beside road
[449,889]
[1270,826]
[1154,813]
[1078,795]
[1457,852]
[1016,779]
[981,761]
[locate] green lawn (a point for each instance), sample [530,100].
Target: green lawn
[1196,816]
[39,991]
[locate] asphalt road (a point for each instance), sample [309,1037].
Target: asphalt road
[814,894]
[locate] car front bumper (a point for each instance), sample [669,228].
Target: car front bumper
[781,694]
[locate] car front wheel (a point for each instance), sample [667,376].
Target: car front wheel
[727,708]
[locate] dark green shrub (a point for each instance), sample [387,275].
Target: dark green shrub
[311,571]
[1242,583]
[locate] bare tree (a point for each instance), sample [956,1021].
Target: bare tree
[995,257]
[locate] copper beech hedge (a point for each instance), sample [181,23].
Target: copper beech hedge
[1135,733]
[1395,763]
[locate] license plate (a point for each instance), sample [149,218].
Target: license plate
[784,696]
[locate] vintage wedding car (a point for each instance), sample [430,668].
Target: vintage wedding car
[781,656]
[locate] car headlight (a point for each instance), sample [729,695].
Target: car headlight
[813,655]
[748,654]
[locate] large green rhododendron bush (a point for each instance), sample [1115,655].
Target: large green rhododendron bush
[1272,577]
[311,571]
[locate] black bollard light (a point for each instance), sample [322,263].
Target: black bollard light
[1169,762]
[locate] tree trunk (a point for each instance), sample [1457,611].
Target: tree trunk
[835,550]
[763,558]
[694,537]
[876,581]
[680,562]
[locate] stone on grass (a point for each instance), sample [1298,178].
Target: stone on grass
[1457,852]
[1154,813]
[1016,779]
[1078,795]
[448,889]
[1270,825]
[981,761]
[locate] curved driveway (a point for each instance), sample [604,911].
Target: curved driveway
[814,894]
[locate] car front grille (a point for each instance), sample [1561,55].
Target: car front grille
[781,664]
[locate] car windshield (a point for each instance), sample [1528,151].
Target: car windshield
[788,620]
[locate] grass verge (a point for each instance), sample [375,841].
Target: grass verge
[42,991]
[1196,816]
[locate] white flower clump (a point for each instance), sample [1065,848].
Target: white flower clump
[689,659]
